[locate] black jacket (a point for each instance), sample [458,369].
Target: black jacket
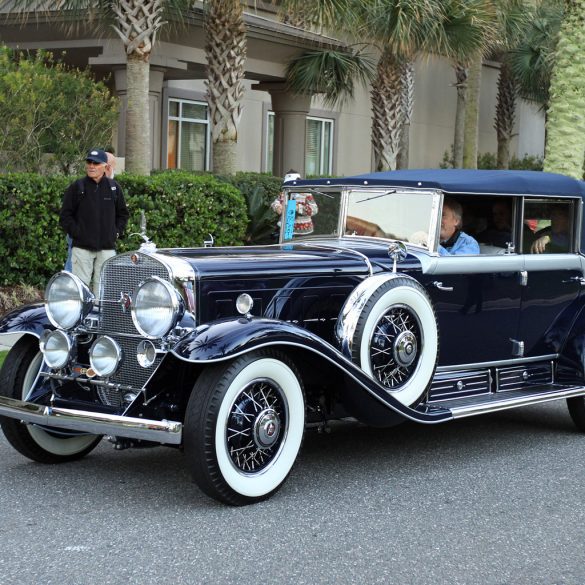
[94,214]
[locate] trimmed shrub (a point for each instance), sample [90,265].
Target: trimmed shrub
[181,209]
[260,190]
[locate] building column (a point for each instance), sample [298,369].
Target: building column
[155,112]
[290,115]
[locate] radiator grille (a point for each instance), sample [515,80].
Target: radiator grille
[122,276]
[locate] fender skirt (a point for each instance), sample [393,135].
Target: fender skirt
[30,319]
[229,338]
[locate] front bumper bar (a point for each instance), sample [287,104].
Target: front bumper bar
[95,423]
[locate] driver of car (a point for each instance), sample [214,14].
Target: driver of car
[453,240]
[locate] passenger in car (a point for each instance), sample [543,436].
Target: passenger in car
[556,238]
[500,231]
[452,240]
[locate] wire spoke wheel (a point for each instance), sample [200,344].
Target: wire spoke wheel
[256,426]
[394,349]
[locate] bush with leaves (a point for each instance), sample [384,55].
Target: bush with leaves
[260,190]
[488,160]
[182,209]
[45,108]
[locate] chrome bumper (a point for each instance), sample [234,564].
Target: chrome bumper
[95,423]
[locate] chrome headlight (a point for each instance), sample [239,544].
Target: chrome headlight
[104,356]
[156,308]
[56,347]
[67,300]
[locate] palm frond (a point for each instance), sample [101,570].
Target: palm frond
[331,73]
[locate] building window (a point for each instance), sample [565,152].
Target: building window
[318,146]
[188,135]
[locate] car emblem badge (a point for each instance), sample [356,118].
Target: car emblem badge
[125,301]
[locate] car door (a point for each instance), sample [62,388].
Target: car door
[477,302]
[552,277]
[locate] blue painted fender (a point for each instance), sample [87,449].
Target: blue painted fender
[229,338]
[30,319]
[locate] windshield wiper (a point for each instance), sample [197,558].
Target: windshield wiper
[377,196]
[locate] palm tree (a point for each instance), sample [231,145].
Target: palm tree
[137,23]
[507,18]
[225,52]
[565,145]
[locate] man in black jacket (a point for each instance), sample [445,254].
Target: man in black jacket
[94,215]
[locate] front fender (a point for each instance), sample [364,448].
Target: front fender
[223,340]
[30,319]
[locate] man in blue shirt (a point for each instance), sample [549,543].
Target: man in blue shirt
[453,241]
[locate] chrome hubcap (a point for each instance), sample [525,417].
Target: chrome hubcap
[405,347]
[266,429]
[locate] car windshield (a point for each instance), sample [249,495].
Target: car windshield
[389,214]
[402,216]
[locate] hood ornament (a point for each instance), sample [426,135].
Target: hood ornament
[147,246]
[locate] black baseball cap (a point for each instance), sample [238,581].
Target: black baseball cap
[97,155]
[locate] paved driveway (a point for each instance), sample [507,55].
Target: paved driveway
[496,500]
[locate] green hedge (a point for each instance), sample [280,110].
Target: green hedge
[181,210]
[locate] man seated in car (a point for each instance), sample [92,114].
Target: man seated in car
[499,233]
[556,237]
[454,241]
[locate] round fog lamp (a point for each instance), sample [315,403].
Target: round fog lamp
[56,347]
[146,353]
[244,304]
[104,356]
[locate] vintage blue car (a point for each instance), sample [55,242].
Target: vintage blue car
[365,309]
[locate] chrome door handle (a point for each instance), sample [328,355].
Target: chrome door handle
[439,285]
[578,279]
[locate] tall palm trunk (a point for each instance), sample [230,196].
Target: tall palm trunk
[137,115]
[565,145]
[137,24]
[461,74]
[226,57]
[471,131]
[505,114]
[408,110]
[387,111]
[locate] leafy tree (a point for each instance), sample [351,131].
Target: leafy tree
[137,23]
[47,108]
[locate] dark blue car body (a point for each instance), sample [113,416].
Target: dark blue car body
[358,318]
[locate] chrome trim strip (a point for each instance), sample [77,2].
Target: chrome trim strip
[164,431]
[340,249]
[477,264]
[499,363]
[495,405]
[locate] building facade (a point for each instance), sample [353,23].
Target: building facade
[278,130]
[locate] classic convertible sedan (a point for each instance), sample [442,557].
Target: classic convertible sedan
[374,310]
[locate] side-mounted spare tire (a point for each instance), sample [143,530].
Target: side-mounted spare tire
[393,335]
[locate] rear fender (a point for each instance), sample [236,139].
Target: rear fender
[223,340]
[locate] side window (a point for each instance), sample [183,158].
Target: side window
[490,221]
[548,226]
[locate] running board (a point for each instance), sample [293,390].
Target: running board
[462,407]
